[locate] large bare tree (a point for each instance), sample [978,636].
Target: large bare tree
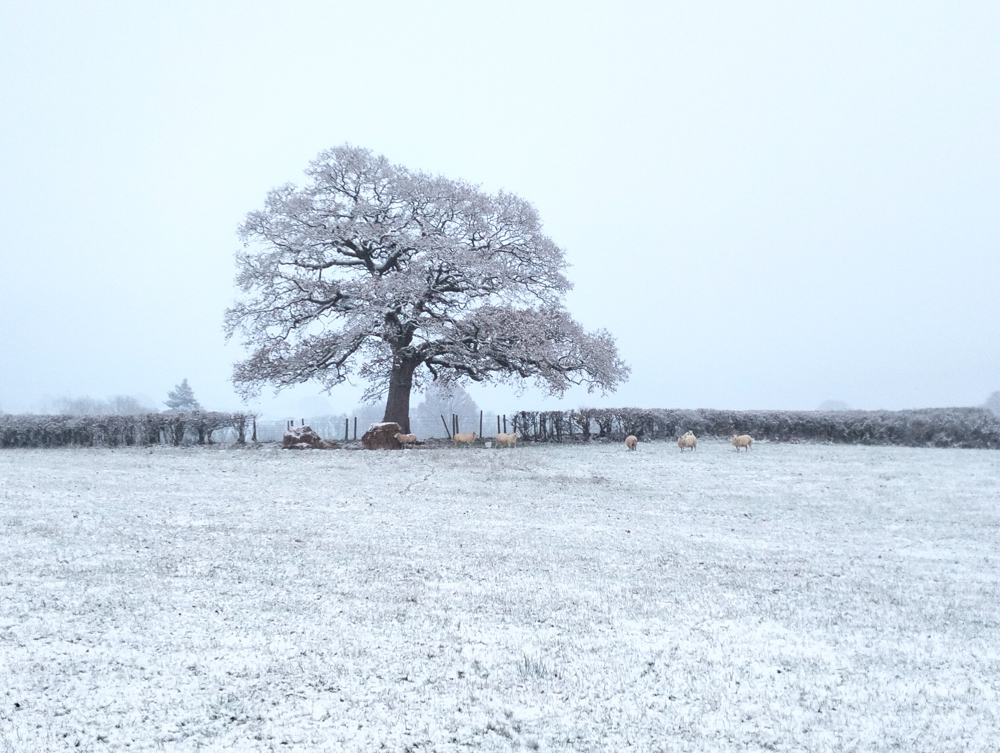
[399,276]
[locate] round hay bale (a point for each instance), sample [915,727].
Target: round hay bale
[301,438]
[382,437]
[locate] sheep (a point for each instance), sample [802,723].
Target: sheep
[743,440]
[508,439]
[464,438]
[405,439]
[688,441]
[631,441]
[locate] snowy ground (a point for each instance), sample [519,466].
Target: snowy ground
[555,598]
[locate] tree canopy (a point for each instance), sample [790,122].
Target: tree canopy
[400,277]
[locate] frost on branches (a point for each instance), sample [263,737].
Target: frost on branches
[401,277]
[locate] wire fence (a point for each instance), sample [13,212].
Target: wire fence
[351,427]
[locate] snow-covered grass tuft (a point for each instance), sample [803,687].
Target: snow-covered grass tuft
[551,598]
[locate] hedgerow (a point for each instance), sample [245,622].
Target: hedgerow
[932,427]
[121,431]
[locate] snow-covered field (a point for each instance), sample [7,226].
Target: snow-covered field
[554,598]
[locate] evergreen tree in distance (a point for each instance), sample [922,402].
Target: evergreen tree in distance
[181,398]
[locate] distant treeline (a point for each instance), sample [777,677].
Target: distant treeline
[931,427]
[122,431]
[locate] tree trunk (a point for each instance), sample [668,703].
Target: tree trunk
[397,405]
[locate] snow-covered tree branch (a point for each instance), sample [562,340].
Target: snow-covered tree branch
[397,276]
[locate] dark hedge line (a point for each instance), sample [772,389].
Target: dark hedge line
[931,427]
[121,431]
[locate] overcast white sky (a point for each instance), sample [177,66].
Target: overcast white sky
[769,204]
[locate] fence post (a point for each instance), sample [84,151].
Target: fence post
[498,423]
[355,428]
[480,424]
[445,423]
[254,430]
[504,423]
[347,426]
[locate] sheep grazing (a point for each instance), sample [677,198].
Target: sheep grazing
[688,441]
[743,440]
[464,438]
[631,441]
[508,439]
[406,439]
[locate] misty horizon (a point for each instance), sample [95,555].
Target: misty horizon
[770,207]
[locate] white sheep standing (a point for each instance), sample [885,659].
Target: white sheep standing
[689,440]
[631,441]
[464,438]
[743,440]
[406,439]
[508,439]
